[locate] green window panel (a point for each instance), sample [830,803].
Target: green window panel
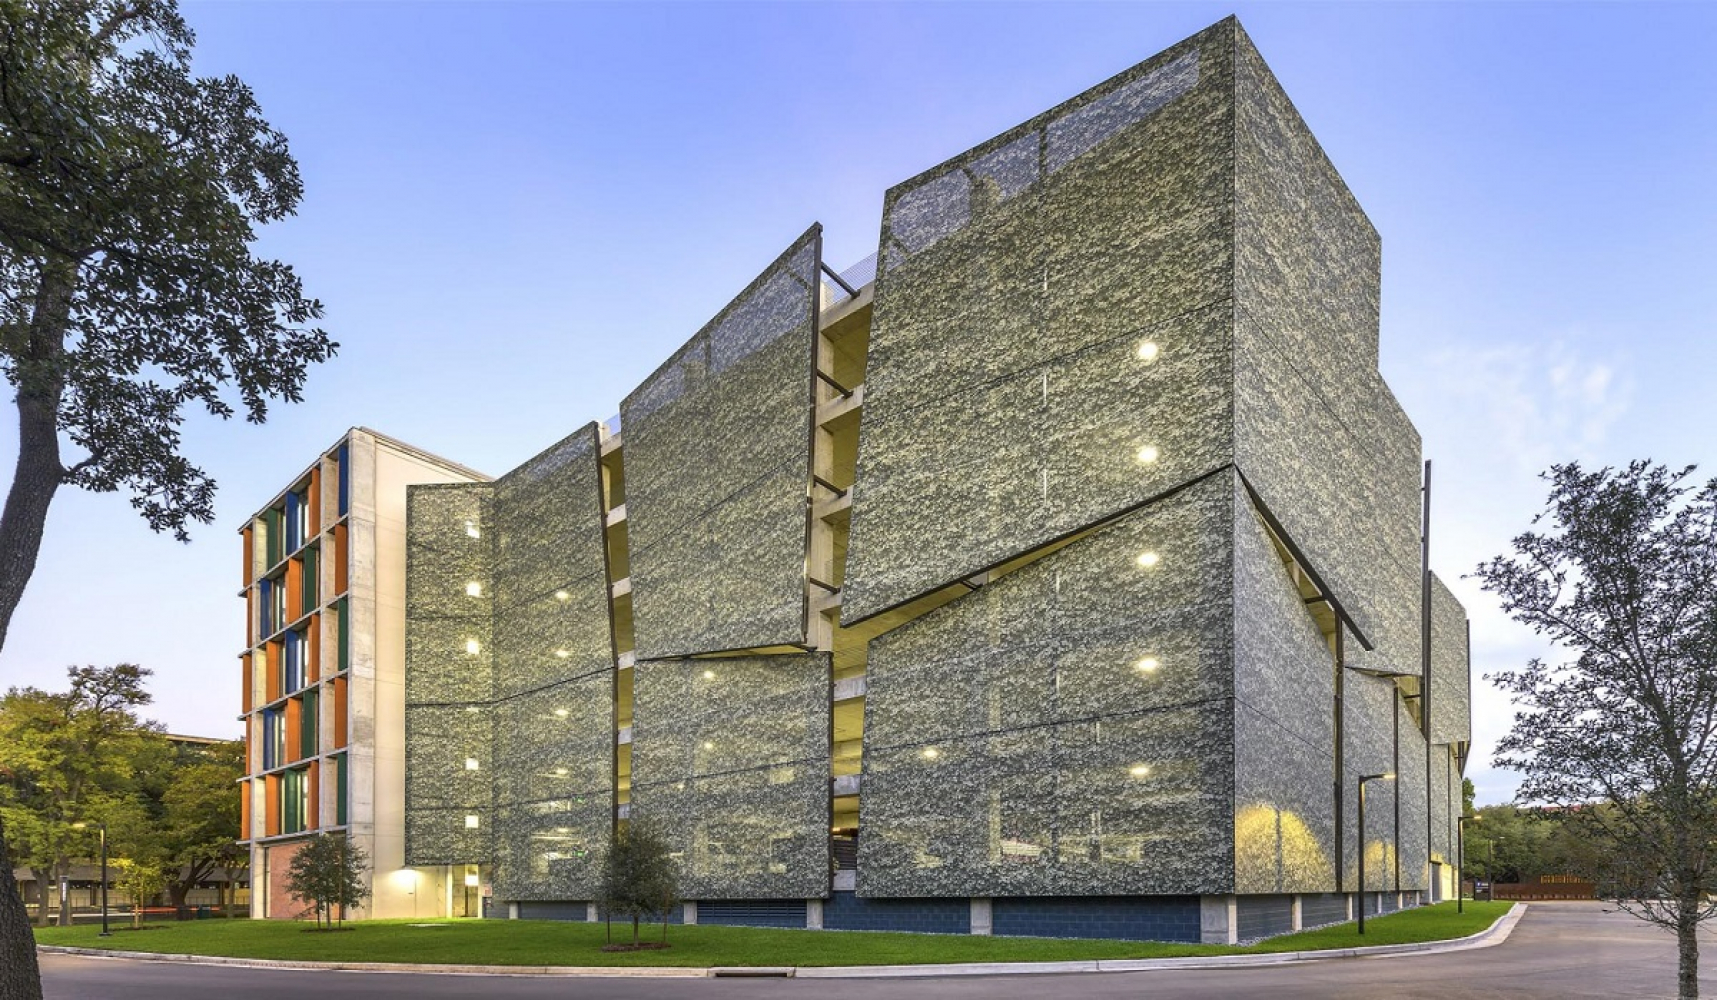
[271,533]
[292,788]
[340,790]
[308,724]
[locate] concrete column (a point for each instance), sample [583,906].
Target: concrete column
[1349,900]
[590,914]
[691,912]
[1296,920]
[813,914]
[1218,920]
[983,919]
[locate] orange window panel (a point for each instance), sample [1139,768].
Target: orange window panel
[249,555]
[272,668]
[339,713]
[244,810]
[315,501]
[294,719]
[249,617]
[294,590]
[340,558]
[312,797]
[245,673]
[271,814]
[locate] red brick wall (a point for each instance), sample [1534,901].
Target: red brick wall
[281,905]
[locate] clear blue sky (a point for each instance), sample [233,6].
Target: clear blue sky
[514,212]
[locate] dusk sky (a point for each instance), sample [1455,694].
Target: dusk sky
[514,212]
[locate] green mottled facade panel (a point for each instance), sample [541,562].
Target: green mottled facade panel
[1411,785]
[449,768]
[733,755]
[1317,433]
[1052,732]
[1050,306]
[1284,723]
[1369,748]
[548,522]
[1445,799]
[449,674]
[551,850]
[1451,674]
[553,712]
[717,453]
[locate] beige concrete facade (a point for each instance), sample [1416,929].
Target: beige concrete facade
[348,535]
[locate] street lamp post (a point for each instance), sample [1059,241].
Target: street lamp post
[1385,776]
[1461,860]
[103,828]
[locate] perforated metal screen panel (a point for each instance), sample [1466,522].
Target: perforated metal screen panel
[1451,673]
[717,452]
[733,755]
[449,674]
[1050,344]
[1067,729]
[510,675]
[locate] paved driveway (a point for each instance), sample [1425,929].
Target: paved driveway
[1562,950]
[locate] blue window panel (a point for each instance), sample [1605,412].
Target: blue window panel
[345,478]
[294,678]
[262,591]
[270,725]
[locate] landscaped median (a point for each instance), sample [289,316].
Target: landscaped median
[534,943]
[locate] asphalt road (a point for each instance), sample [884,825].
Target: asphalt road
[1562,950]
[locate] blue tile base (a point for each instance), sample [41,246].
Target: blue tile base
[846,911]
[1135,918]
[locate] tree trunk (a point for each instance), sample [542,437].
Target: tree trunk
[19,979]
[1687,945]
[44,885]
[634,930]
[176,893]
[38,473]
[35,479]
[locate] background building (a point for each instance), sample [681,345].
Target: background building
[323,672]
[1061,571]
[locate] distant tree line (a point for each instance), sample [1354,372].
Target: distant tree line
[74,760]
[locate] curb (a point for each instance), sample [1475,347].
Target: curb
[1490,937]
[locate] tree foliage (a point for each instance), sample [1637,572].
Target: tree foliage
[1620,573]
[639,875]
[139,882]
[328,873]
[71,757]
[130,190]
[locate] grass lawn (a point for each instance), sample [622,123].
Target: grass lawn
[544,942]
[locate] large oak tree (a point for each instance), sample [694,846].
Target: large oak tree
[130,190]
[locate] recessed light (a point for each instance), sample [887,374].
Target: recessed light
[1148,350]
[1149,559]
[1148,454]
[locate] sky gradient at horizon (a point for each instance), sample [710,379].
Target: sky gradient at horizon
[514,212]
